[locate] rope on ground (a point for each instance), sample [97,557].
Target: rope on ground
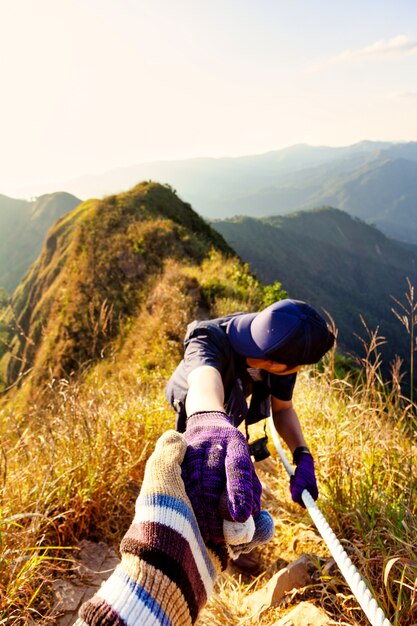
[355,581]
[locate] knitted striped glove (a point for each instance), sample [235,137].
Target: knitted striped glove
[166,573]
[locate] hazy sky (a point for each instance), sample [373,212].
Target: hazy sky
[89,85]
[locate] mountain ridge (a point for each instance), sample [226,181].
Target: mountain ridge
[279,181]
[92,274]
[336,262]
[76,445]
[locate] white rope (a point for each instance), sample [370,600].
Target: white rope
[355,581]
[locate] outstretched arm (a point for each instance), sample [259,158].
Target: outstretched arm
[217,460]
[166,573]
[289,428]
[287,423]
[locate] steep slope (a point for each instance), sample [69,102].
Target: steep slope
[94,270]
[333,261]
[383,192]
[379,190]
[23,226]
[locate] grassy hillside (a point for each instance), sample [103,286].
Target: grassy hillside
[77,444]
[75,434]
[93,272]
[23,226]
[335,262]
[78,453]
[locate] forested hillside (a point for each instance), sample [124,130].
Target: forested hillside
[23,227]
[335,262]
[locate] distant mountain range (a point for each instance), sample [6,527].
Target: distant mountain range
[325,256]
[23,226]
[376,181]
[335,262]
[332,257]
[381,191]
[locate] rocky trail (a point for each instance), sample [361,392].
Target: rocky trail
[94,562]
[295,583]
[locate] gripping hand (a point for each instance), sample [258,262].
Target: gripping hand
[217,460]
[304,476]
[166,573]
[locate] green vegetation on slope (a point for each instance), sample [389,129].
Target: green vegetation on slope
[93,272]
[379,188]
[381,193]
[23,226]
[337,263]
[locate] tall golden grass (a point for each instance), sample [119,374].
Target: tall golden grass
[72,457]
[363,435]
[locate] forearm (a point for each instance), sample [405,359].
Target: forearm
[289,428]
[205,392]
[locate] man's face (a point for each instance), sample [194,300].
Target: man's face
[280,369]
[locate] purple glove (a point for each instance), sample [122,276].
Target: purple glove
[217,460]
[303,477]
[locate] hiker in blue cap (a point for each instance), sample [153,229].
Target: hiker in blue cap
[227,360]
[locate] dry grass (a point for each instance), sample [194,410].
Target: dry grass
[366,464]
[72,457]
[72,453]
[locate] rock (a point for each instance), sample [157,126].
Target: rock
[69,596]
[294,576]
[246,564]
[305,614]
[96,561]
[94,564]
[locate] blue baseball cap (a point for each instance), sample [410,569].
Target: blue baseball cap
[288,331]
